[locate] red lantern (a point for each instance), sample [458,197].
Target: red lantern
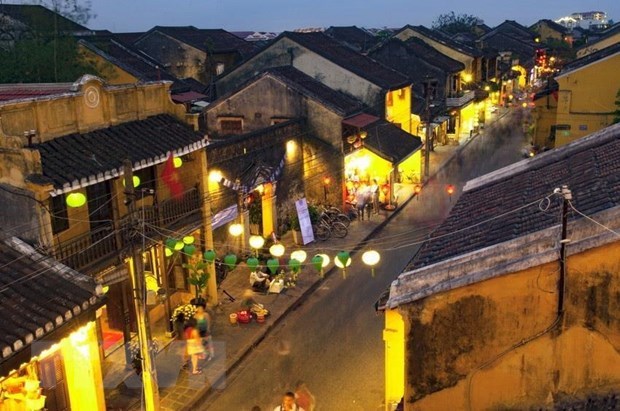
[450,189]
[417,189]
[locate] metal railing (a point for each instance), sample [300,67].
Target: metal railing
[88,249]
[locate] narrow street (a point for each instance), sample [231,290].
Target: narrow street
[333,341]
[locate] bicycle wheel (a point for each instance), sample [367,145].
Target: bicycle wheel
[340,230]
[342,218]
[322,232]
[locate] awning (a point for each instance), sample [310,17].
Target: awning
[223,217]
[360,120]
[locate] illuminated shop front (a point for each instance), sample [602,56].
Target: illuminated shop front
[64,376]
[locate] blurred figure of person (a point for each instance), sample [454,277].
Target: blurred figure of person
[203,324]
[361,199]
[304,397]
[259,280]
[288,403]
[195,349]
[374,190]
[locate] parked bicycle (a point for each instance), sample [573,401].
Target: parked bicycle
[326,227]
[334,214]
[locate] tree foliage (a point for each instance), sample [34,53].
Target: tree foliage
[75,10]
[453,23]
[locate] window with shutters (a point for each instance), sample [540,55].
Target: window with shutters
[231,125]
[54,383]
[59,217]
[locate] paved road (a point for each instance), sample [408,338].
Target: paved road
[334,340]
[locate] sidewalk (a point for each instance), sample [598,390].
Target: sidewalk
[178,389]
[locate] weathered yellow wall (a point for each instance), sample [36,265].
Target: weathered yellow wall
[599,45]
[493,345]
[394,357]
[110,72]
[398,108]
[368,166]
[411,168]
[587,99]
[544,114]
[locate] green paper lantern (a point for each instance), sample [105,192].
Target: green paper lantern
[317,262]
[171,243]
[273,265]
[252,263]
[344,257]
[209,256]
[178,246]
[189,249]
[230,260]
[294,265]
[75,200]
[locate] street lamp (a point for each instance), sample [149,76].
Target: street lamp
[235,229]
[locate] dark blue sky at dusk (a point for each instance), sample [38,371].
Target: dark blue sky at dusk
[280,15]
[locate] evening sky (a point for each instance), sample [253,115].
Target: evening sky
[280,15]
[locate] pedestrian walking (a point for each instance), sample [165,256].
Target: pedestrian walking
[195,350]
[288,403]
[203,324]
[304,397]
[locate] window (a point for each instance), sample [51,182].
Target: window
[219,68]
[231,126]
[147,178]
[389,99]
[60,218]
[53,383]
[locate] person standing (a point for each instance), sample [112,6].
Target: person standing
[304,397]
[203,324]
[195,349]
[288,403]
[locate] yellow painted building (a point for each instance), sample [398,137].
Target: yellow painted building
[544,114]
[611,38]
[587,94]
[398,109]
[496,312]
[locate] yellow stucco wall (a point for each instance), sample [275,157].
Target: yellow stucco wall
[394,357]
[586,100]
[110,72]
[599,45]
[497,344]
[367,166]
[544,114]
[398,108]
[411,168]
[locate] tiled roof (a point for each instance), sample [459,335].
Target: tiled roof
[390,141]
[38,295]
[353,61]
[485,213]
[40,18]
[354,37]
[129,37]
[212,40]
[589,59]
[9,92]
[443,39]
[499,41]
[512,28]
[552,25]
[306,85]
[78,160]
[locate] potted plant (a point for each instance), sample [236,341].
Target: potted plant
[294,224]
[255,215]
[198,277]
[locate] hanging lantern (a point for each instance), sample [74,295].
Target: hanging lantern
[171,243]
[256,242]
[252,263]
[105,289]
[178,246]
[273,264]
[209,256]
[177,161]
[276,250]
[294,265]
[317,262]
[189,249]
[135,179]
[188,239]
[230,260]
[299,255]
[343,260]
[75,200]
[168,252]
[235,229]
[371,258]
[326,260]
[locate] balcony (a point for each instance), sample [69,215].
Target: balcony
[461,99]
[104,245]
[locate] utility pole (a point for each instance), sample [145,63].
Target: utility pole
[567,196]
[427,137]
[149,373]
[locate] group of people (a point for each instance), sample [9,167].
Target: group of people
[260,280]
[364,197]
[199,344]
